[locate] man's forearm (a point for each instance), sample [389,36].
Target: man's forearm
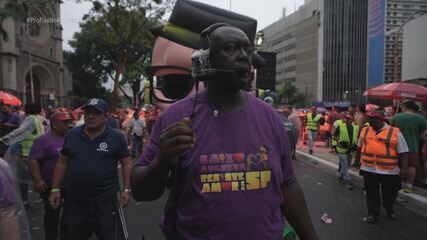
[296,212]
[126,170]
[35,170]
[59,172]
[404,160]
[10,124]
[25,126]
[149,182]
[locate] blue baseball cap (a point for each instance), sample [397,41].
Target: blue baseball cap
[96,103]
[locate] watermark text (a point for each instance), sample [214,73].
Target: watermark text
[43,20]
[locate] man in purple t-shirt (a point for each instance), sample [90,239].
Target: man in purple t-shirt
[44,154]
[229,167]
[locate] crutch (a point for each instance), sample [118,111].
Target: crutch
[122,218]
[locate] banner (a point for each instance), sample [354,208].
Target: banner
[376,41]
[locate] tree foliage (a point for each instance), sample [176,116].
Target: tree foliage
[289,94]
[86,82]
[133,75]
[115,35]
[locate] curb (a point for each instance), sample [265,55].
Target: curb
[412,201]
[329,164]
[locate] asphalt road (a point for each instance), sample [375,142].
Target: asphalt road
[324,194]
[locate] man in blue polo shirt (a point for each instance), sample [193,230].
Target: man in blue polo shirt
[90,156]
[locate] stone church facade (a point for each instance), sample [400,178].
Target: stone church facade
[31,61]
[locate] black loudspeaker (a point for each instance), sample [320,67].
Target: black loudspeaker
[266,74]
[190,18]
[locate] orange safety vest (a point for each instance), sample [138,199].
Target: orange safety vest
[378,152]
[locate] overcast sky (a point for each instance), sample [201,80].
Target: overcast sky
[264,11]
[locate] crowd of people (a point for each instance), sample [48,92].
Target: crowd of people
[40,146]
[224,154]
[388,148]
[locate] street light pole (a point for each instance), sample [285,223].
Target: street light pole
[230,4]
[397,41]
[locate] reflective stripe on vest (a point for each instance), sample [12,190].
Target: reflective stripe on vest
[335,139]
[344,137]
[312,123]
[379,151]
[28,142]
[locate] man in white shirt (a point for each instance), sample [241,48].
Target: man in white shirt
[137,129]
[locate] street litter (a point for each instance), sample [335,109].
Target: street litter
[326,219]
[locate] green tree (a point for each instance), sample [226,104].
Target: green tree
[117,35]
[86,80]
[289,94]
[134,75]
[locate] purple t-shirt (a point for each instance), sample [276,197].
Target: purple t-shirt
[46,150]
[232,177]
[7,191]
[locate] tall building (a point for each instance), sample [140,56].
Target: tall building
[31,61]
[387,18]
[414,55]
[344,50]
[322,49]
[397,12]
[295,40]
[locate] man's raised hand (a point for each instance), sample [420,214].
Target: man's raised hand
[176,139]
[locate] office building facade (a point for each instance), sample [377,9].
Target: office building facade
[295,40]
[321,48]
[398,12]
[344,50]
[414,55]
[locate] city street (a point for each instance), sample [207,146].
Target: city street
[324,194]
[224,90]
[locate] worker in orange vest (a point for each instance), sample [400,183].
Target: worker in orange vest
[382,151]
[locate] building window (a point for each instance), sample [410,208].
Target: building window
[290,69]
[289,80]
